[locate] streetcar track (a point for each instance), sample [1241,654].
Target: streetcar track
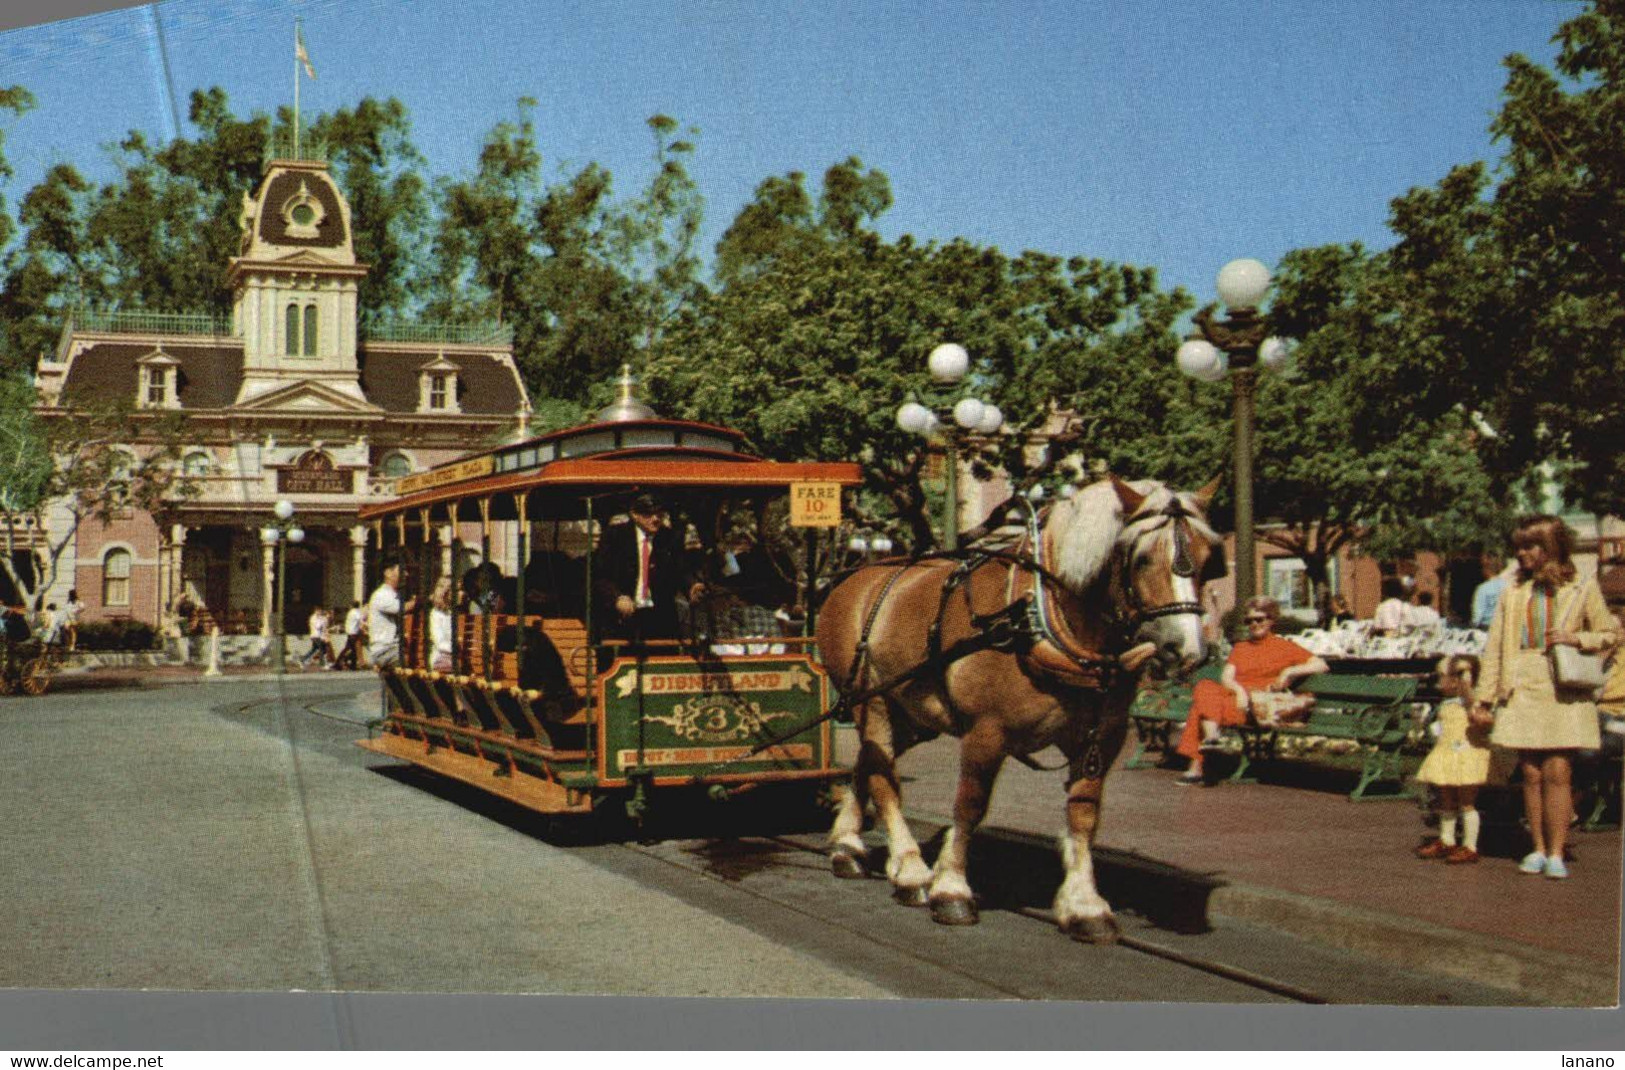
[1235,974]
[1152,948]
[1138,945]
[827,922]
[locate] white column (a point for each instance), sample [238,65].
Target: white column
[445,549]
[358,567]
[269,554]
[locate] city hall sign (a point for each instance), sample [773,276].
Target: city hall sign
[313,473]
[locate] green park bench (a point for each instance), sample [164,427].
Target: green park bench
[1373,712]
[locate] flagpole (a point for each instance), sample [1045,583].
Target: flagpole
[296,89]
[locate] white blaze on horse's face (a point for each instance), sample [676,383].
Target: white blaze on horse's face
[1168,550]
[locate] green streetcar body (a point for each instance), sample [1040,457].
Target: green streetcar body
[623,723]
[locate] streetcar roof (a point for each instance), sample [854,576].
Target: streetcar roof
[603,459]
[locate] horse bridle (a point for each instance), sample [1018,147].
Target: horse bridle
[1184,566]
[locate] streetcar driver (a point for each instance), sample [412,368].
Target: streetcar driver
[638,570]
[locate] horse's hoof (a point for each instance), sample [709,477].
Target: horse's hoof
[917,896]
[847,866]
[954,912]
[1100,931]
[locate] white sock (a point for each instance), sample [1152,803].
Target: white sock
[1447,827]
[1469,827]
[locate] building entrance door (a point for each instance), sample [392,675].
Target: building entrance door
[306,589]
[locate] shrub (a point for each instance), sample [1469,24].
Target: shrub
[119,634]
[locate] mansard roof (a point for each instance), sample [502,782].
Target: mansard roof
[211,371]
[488,384]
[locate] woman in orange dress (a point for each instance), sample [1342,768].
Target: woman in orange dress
[1263,662]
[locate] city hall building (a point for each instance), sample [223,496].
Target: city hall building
[293,397]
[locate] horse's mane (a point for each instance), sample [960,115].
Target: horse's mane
[1088,525]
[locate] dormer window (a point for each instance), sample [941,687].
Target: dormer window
[159,381]
[437,386]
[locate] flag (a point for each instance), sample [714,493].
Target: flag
[300,54]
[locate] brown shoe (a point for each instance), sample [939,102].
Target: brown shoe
[1434,849]
[1460,855]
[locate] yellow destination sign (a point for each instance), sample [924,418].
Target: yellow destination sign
[472,468]
[815,505]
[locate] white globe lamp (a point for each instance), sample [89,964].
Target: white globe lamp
[914,418]
[283,509]
[1199,359]
[992,419]
[968,413]
[948,362]
[1274,354]
[1243,283]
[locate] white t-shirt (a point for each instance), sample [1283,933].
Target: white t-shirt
[352,622]
[1423,617]
[1392,616]
[318,625]
[383,611]
[440,631]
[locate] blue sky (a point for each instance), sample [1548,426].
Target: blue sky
[1171,133]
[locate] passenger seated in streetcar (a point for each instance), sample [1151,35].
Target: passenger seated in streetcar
[541,668]
[554,583]
[638,571]
[750,592]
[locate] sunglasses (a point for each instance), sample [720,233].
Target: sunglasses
[1255,620]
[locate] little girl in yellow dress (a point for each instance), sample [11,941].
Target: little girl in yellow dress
[1459,763]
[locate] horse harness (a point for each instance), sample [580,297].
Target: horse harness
[1026,626]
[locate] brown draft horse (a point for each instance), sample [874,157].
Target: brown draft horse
[1110,581]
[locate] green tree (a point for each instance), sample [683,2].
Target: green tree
[820,329]
[586,281]
[56,471]
[161,236]
[1510,282]
[17,100]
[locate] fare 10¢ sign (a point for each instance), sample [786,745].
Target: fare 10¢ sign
[815,505]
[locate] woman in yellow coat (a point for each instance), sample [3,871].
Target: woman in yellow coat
[1546,605]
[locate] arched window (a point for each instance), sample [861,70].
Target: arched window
[395,466]
[116,578]
[196,465]
[290,323]
[310,330]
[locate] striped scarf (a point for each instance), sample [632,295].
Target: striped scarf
[1537,621]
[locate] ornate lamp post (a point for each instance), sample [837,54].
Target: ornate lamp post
[1237,346]
[957,422]
[282,530]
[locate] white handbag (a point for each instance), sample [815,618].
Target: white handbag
[1577,674]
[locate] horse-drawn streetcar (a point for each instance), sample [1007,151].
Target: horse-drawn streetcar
[604,694]
[625,630]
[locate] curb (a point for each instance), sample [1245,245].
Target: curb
[1179,900]
[1549,977]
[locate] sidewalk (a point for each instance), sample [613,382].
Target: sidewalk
[1300,856]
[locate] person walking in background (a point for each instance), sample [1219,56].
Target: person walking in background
[1546,605]
[350,656]
[1340,611]
[70,628]
[321,651]
[1459,763]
